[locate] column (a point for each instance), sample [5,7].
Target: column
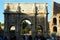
[6,25]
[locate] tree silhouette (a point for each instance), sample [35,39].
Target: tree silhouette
[0,24]
[1,31]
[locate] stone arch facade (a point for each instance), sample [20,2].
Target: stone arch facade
[15,18]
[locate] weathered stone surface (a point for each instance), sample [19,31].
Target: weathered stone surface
[14,16]
[56,15]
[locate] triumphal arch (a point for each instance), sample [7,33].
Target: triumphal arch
[15,13]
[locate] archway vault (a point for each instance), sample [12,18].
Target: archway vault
[26,26]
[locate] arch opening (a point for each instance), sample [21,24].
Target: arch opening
[54,21]
[12,28]
[39,30]
[26,27]
[54,29]
[12,32]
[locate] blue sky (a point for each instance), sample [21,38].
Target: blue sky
[42,1]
